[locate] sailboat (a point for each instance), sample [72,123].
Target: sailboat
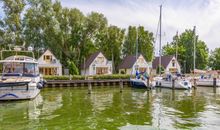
[170,81]
[140,81]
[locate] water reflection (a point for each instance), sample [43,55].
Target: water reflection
[107,108]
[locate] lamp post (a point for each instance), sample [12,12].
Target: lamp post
[184,66]
[93,66]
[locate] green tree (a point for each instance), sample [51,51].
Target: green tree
[129,44]
[112,45]
[13,22]
[73,70]
[184,44]
[145,43]
[214,62]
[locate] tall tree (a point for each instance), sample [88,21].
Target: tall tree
[13,23]
[145,43]
[214,62]
[184,44]
[129,44]
[112,45]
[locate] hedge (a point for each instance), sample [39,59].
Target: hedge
[80,77]
[73,77]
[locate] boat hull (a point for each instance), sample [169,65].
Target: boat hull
[136,83]
[207,82]
[19,92]
[177,84]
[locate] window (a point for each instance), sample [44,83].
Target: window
[48,57]
[173,63]
[100,59]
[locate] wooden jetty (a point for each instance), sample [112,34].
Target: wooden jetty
[86,83]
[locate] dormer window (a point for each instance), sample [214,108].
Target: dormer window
[47,57]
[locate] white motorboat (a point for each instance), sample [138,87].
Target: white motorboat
[207,81]
[174,82]
[20,78]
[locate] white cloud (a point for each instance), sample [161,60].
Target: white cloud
[177,15]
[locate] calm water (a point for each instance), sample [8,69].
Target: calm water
[108,109]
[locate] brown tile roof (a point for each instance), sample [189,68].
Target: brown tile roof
[165,60]
[128,62]
[90,59]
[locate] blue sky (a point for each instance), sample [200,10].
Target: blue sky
[178,15]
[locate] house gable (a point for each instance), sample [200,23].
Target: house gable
[100,60]
[48,58]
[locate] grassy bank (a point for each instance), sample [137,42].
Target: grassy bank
[80,77]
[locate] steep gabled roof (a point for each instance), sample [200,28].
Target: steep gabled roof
[50,52]
[90,60]
[128,62]
[165,60]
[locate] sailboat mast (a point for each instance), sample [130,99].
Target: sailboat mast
[160,40]
[137,44]
[194,49]
[176,49]
[176,45]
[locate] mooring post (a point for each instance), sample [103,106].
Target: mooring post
[173,94]
[89,87]
[195,85]
[214,82]
[121,86]
[148,82]
[173,84]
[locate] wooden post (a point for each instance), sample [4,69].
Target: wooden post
[173,84]
[148,82]
[173,95]
[89,87]
[195,85]
[214,82]
[121,86]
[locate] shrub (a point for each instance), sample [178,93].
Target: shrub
[80,77]
[73,77]
[113,76]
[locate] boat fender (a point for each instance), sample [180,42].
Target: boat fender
[44,82]
[159,84]
[39,85]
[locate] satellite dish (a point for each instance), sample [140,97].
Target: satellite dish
[30,48]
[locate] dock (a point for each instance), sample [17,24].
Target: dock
[82,83]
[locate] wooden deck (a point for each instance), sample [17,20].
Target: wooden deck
[80,83]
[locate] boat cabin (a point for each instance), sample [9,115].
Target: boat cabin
[19,66]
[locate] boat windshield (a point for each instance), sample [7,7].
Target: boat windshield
[25,69]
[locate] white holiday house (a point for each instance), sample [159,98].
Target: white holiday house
[169,63]
[130,64]
[49,64]
[96,64]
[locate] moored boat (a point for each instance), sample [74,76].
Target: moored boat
[208,81]
[20,78]
[173,83]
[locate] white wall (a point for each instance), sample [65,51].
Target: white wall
[170,65]
[44,64]
[91,71]
[141,64]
